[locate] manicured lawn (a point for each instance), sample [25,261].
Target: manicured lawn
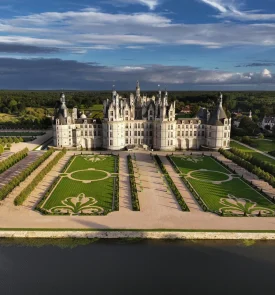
[89,175]
[265,145]
[74,196]
[209,175]
[224,195]
[255,154]
[100,162]
[102,191]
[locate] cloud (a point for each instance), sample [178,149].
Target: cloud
[256,64]
[26,49]
[231,9]
[151,4]
[69,74]
[132,31]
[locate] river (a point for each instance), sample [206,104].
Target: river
[137,267]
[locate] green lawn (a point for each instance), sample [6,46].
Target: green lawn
[224,195]
[265,145]
[89,175]
[74,196]
[249,150]
[100,162]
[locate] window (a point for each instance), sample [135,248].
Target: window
[178,126]
[151,113]
[111,113]
[135,125]
[225,134]
[191,133]
[126,113]
[81,133]
[126,133]
[168,127]
[186,126]
[94,132]
[110,127]
[135,141]
[195,126]
[111,142]
[224,143]
[195,133]
[171,142]
[135,133]
[172,134]
[126,140]
[186,133]
[138,125]
[209,133]
[182,133]
[142,125]
[126,126]
[111,134]
[86,133]
[199,133]
[178,133]
[138,133]
[142,133]
[202,133]
[151,133]
[172,127]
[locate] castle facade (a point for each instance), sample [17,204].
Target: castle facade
[141,121]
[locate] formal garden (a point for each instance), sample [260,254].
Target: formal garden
[219,190]
[88,185]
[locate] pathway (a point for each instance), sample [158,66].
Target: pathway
[16,169]
[125,203]
[8,201]
[5,155]
[187,196]
[154,197]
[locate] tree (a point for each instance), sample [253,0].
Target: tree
[1,149]
[248,125]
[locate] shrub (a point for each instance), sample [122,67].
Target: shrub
[133,186]
[10,161]
[172,185]
[6,189]
[27,190]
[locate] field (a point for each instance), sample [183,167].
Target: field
[86,187]
[220,189]
[249,150]
[265,145]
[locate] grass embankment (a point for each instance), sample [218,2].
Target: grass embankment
[254,153]
[219,195]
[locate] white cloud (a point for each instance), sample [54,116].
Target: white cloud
[76,29]
[151,4]
[231,9]
[266,73]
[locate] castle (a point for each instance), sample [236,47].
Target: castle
[141,121]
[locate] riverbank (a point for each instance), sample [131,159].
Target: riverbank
[157,234]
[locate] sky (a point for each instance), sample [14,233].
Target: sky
[177,44]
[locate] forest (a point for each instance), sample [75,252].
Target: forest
[32,107]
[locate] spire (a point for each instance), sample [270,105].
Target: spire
[220,100]
[62,97]
[138,89]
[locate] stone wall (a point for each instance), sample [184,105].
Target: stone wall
[140,234]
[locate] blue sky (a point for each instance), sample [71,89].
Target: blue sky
[179,44]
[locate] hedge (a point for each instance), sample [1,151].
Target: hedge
[116,185]
[27,190]
[134,194]
[172,185]
[12,160]
[6,189]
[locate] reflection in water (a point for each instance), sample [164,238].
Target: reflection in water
[135,267]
